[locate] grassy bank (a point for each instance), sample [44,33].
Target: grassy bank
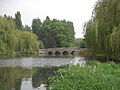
[94,76]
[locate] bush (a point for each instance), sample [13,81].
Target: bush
[94,76]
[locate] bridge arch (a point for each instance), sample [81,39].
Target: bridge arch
[73,52]
[65,53]
[50,53]
[57,52]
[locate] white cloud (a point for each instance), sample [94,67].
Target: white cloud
[77,11]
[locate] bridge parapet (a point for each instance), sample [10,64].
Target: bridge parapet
[59,51]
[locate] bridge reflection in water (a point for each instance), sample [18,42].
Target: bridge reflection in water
[59,51]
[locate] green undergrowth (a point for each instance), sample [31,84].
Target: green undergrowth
[94,76]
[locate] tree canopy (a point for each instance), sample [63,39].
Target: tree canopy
[54,33]
[12,40]
[36,26]
[79,43]
[18,20]
[103,30]
[14,37]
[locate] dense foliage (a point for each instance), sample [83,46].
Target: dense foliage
[54,33]
[36,27]
[12,40]
[18,21]
[79,43]
[14,37]
[94,76]
[103,30]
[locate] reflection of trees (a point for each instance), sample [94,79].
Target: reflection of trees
[6,78]
[42,75]
[11,77]
[17,85]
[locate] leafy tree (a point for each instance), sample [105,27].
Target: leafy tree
[12,40]
[27,28]
[79,43]
[36,26]
[56,33]
[18,20]
[45,28]
[27,40]
[103,30]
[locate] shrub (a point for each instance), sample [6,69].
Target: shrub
[94,76]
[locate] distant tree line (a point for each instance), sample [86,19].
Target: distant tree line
[103,30]
[54,33]
[79,43]
[15,37]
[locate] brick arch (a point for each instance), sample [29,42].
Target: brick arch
[57,53]
[72,52]
[50,53]
[65,52]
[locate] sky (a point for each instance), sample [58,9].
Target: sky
[77,11]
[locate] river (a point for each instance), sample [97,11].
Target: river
[32,73]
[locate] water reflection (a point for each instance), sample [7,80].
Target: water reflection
[10,78]
[18,78]
[31,73]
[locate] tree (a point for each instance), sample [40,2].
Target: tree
[12,40]
[103,30]
[79,43]
[27,28]
[18,20]
[36,27]
[56,33]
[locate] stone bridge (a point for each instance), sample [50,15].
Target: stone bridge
[60,51]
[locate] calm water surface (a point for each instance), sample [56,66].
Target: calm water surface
[31,73]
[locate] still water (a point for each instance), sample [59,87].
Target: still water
[31,73]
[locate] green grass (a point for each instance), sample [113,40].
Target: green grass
[94,76]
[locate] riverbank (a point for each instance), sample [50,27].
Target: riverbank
[94,76]
[98,57]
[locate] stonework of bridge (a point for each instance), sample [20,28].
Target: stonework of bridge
[60,51]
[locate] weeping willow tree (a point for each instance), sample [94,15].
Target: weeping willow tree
[7,36]
[12,40]
[27,40]
[102,32]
